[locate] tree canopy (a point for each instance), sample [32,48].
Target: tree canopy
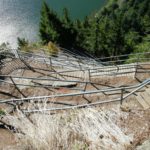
[115,29]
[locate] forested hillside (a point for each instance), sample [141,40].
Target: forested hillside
[122,26]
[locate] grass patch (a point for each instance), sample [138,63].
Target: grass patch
[2,112]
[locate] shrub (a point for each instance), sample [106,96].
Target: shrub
[2,112]
[51,49]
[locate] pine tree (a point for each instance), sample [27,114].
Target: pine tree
[66,18]
[49,24]
[115,30]
[68,32]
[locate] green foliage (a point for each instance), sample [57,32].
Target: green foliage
[68,32]
[22,43]
[80,146]
[131,39]
[66,18]
[83,38]
[26,46]
[55,29]
[2,112]
[143,47]
[49,25]
[116,29]
[51,49]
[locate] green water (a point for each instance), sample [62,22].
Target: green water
[77,8]
[20,18]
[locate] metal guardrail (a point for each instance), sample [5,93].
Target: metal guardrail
[103,70]
[105,60]
[141,85]
[97,71]
[93,69]
[125,55]
[72,61]
[123,97]
[146,82]
[76,56]
[75,61]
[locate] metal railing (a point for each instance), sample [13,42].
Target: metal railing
[71,65]
[123,95]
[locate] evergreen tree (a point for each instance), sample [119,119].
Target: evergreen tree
[83,34]
[66,18]
[68,31]
[55,29]
[116,29]
[22,42]
[49,25]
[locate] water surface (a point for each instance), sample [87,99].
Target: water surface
[20,18]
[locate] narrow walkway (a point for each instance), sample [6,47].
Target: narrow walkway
[144,98]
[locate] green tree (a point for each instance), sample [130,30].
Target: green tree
[49,25]
[22,43]
[141,48]
[68,32]
[83,28]
[58,30]
[116,29]
[66,18]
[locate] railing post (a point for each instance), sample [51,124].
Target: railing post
[50,62]
[79,61]
[121,99]
[89,75]
[137,63]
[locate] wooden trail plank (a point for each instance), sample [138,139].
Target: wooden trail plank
[142,102]
[146,97]
[148,90]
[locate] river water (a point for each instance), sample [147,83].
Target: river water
[20,18]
